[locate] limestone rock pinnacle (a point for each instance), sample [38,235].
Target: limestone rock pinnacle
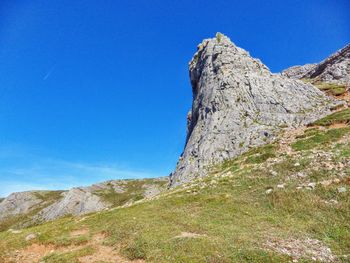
[238,104]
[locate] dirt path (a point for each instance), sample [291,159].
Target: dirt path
[35,252]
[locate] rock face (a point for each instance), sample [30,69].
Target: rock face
[334,69]
[84,200]
[76,201]
[298,72]
[18,203]
[238,104]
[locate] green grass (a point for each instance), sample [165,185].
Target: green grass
[134,191]
[320,139]
[260,154]
[48,197]
[16,221]
[331,88]
[233,217]
[342,116]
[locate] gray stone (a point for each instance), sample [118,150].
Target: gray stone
[18,203]
[298,72]
[152,190]
[268,191]
[30,237]
[312,185]
[76,201]
[14,231]
[117,185]
[334,69]
[273,173]
[341,190]
[238,104]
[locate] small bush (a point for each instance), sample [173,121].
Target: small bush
[135,250]
[219,37]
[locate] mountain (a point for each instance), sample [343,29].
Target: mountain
[264,177]
[239,104]
[334,69]
[33,207]
[287,201]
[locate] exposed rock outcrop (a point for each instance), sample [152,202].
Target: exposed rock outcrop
[238,104]
[298,72]
[19,203]
[41,206]
[76,201]
[334,69]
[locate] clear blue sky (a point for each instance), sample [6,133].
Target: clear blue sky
[95,90]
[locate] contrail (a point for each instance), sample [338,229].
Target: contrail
[49,73]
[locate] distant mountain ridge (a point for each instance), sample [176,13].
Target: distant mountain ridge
[32,207]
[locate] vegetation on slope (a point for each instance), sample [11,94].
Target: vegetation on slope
[133,190]
[330,88]
[115,193]
[340,117]
[284,201]
[18,221]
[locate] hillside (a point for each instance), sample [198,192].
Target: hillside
[264,177]
[30,208]
[285,201]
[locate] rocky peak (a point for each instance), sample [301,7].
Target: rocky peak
[334,69]
[238,104]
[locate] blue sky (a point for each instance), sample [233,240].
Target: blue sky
[96,90]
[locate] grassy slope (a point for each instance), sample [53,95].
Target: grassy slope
[134,190]
[335,118]
[230,209]
[329,88]
[47,197]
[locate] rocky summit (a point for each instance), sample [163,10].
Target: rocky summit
[334,69]
[239,104]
